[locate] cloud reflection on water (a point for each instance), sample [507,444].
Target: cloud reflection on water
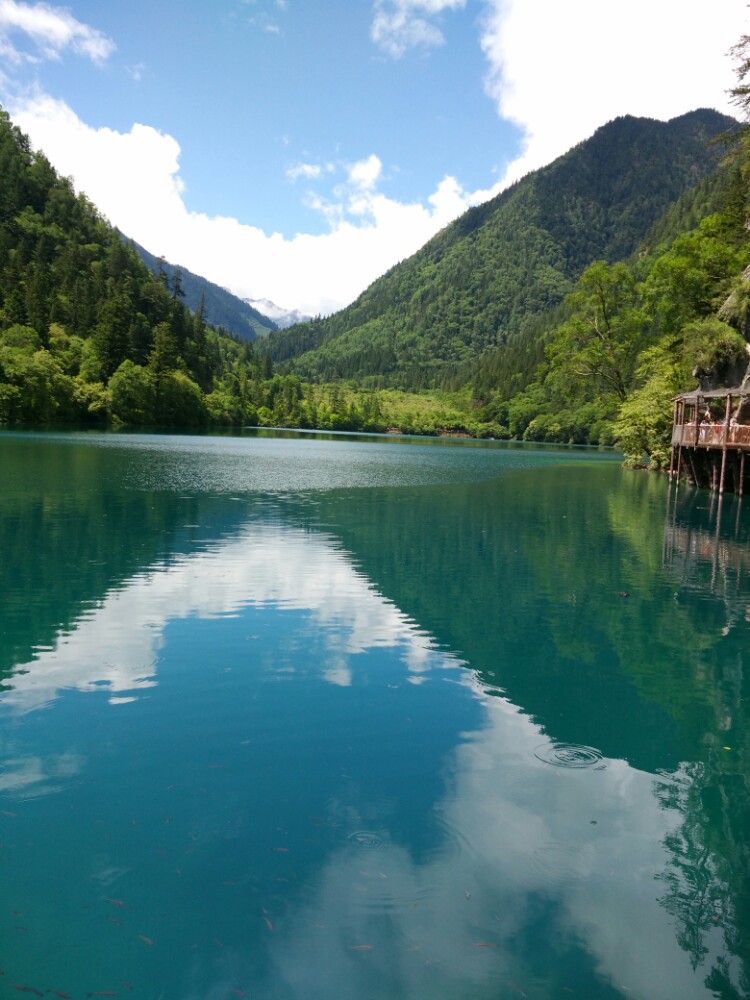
[529,851]
[115,645]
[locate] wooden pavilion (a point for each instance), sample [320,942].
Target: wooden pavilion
[711,437]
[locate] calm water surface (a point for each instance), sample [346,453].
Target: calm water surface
[295,717]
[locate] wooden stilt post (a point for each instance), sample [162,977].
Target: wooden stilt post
[742,473]
[697,421]
[724,436]
[675,432]
[681,444]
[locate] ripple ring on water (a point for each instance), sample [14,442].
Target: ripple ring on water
[362,838]
[569,755]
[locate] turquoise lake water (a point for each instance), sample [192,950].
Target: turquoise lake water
[349,718]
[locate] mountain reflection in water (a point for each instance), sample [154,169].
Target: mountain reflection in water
[471,734]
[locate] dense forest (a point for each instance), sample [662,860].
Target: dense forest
[483,283]
[89,336]
[570,308]
[575,305]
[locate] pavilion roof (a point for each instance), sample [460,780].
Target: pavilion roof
[698,394]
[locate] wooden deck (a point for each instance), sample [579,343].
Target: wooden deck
[710,438]
[705,435]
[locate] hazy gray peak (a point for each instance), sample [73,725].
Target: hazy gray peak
[280,316]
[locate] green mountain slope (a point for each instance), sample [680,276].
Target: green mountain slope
[221,308]
[90,336]
[486,279]
[87,333]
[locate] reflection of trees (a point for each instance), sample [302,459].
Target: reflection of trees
[553,586]
[520,577]
[70,530]
[707,548]
[708,879]
[706,555]
[695,894]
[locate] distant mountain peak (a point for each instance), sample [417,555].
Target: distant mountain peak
[280,316]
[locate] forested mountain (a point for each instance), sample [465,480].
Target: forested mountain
[572,307]
[485,280]
[220,307]
[90,336]
[87,333]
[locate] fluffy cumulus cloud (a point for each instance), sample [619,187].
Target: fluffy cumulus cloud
[51,30]
[559,71]
[134,179]
[400,25]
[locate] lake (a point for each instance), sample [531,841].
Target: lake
[314,716]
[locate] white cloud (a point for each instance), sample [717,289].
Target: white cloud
[557,82]
[311,171]
[400,25]
[264,20]
[559,71]
[52,30]
[134,179]
[366,173]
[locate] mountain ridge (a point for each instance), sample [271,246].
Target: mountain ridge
[282,318]
[486,277]
[221,307]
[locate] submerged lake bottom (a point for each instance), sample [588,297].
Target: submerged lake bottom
[295,717]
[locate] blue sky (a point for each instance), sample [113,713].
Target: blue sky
[296,149]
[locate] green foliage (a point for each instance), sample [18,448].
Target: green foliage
[716,353]
[133,394]
[500,326]
[179,401]
[22,337]
[644,424]
[693,276]
[705,349]
[87,333]
[34,388]
[600,341]
[474,302]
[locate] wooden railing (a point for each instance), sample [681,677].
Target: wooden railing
[714,435]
